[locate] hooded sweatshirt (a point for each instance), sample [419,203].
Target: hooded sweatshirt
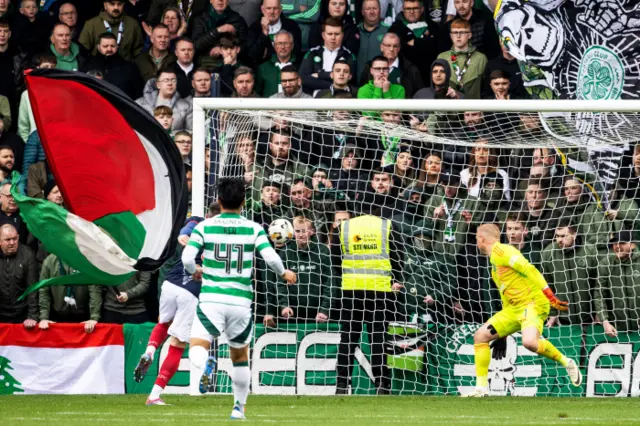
[430,92]
[69,62]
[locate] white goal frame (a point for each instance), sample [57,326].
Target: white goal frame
[200,105]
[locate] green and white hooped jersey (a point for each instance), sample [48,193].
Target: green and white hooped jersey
[229,242]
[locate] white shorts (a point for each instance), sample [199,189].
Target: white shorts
[177,305]
[212,319]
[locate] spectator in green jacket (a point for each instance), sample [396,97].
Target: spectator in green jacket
[310,298]
[268,76]
[467,64]
[73,304]
[67,53]
[617,298]
[570,268]
[491,206]
[622,214]
[429,281]
[158,56]
[127,28]
[451,214]
[516,232]
[380,87]
[125,303]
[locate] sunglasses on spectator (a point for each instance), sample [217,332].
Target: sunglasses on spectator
[459,33]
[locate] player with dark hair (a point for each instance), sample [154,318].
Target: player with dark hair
[229,241]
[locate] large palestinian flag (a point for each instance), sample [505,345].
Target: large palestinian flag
[121,176]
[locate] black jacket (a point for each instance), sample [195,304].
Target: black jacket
[11,63]
[18,272]
[516,88]
[205,38]
[259,46]
[351,38]
[31,37]
[312,64]
[424,50]
[118,71]
[184,80]
[159,6]
[16,143]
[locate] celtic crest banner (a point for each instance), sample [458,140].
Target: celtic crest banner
[579,49]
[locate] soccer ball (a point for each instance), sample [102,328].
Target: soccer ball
[280,231]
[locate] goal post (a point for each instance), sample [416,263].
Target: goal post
[557,177]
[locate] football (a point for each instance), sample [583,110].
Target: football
[280,231]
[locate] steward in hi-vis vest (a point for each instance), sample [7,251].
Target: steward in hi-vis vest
[370,251]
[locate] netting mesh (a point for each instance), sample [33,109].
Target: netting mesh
[560,186]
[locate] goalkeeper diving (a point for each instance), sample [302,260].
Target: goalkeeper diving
[526,300]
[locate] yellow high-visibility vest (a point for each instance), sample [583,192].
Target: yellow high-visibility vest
[365,253]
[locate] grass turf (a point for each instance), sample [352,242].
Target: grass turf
[325,411]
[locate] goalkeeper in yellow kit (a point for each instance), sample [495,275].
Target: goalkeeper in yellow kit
[526,300]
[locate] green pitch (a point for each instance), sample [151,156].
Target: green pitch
[324,411]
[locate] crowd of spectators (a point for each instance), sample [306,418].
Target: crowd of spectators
[164,53]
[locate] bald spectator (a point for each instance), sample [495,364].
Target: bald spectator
[67,53]
[68,14]
[18,270]
[370,30]
[401,71]
[113,19]
[262,33]
[9,213]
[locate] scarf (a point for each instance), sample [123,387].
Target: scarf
[216,17]
[418,28]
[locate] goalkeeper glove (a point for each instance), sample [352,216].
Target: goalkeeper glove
[499,347]
[555,302]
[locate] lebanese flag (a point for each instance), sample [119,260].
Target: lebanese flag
[63,359]
[121,176]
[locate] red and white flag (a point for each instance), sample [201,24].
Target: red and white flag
[61,360]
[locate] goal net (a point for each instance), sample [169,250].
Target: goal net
[559,179]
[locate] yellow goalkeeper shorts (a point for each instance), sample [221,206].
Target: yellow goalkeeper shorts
[512,319]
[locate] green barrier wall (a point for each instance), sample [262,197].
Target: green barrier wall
[300,359]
